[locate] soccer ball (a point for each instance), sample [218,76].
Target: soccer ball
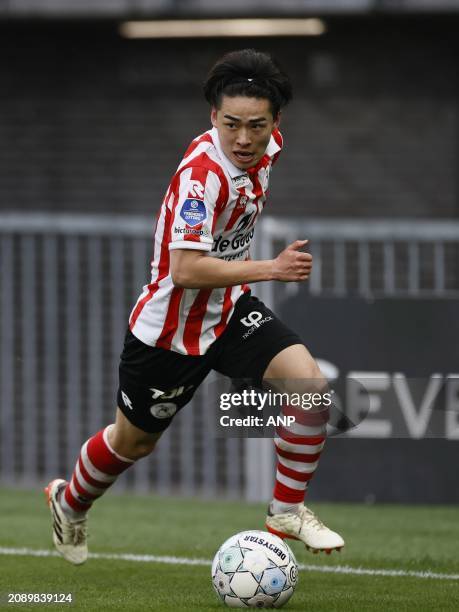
[254,569]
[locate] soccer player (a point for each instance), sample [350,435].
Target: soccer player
[195,313]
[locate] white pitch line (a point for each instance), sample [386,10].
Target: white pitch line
[330,569]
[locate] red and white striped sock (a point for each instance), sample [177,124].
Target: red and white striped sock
[97,468]
[298,449]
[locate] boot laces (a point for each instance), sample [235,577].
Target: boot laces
[75,532]
[310,518]
[79,532]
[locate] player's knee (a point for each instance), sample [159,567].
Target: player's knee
[141,448]
[316,380]
[131,445]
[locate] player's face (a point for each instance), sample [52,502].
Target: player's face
[244,126]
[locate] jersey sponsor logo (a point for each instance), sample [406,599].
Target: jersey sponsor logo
[242,180]
[163,410]
[193,232]
[253,321]
[245,222]
[196,190]
[127,402]
[193,212]
[240,240]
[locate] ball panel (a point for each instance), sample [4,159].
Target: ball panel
[234,602]
[243,584]
[261,601]
[215,565]
[255,561]
[273,581]
[221,583]
[231,558]
[283,597]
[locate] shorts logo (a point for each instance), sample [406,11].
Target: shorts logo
[171,393]
[254,320]
[193,212]
[156,392]
[126,400]
[163,411]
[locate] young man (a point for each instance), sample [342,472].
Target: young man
[194,314]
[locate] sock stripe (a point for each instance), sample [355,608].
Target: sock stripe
[299,457]
[288,495]
[301,476]
[290,482]
[92,470]
[97,468]
[82,491]
[298,449]
[289,435]
[297,466]
[83,476]
[103,459]
[307,417]
[305,449]
[72,502]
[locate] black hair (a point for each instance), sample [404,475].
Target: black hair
[248,73]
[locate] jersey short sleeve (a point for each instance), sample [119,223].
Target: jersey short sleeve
[195,209]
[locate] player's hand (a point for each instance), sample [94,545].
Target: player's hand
[292,264]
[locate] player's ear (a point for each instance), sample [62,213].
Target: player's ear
[277,120]
[213,116]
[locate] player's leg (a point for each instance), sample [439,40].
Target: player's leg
[154,385]
[103,458]
[298,448]
[259,346]
[129,441]
[293,370]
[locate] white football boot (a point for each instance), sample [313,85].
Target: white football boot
[69,537]
[306,527]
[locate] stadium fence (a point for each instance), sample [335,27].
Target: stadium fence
[67,284]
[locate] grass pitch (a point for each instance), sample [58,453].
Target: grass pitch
[409,539]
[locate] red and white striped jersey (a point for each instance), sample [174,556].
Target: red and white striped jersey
[210,205]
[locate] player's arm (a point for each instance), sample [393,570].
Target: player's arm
[192,269]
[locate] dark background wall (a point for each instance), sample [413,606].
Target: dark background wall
[92,122]
[415,337]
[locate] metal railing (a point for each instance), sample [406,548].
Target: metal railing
[368,257]
[67,284]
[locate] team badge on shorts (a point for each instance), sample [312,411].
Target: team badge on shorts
[193,212]
[163,411]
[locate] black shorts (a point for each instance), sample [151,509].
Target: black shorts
[155,383]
